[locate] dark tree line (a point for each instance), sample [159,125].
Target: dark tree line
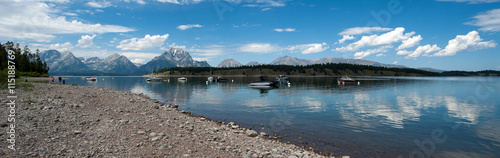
[319,68]
[472,73]
[26,62]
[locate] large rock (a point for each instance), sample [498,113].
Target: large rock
[251,133]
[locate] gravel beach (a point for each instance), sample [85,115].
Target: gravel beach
[54,120]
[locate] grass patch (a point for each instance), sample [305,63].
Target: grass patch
[25,86]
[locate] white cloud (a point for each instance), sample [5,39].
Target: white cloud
[397,35]
[176,46]
[61,47]
[345,38]
[284,30]
[137,1]
[260,48]
[143,43]
[248,3]
[363,54]
[410,42]
[488,21]
[308,48]
[472,1]
[101,4]
[200,59]
[363,30]
[395,62]
[206,52]
[139,57]
[425,50]
[261,3]
[469,42]
[141,61]
[265,9]
[247,25]
[181,2]
[86,41]
[41,22]
[188,26]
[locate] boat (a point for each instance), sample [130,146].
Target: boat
[346,80]
[154,79]
[182,79]
[210,78]
[220,79]
[281,78]
[91,79]
[263,81]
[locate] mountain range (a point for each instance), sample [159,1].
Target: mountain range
[67,63]
[175,57]
[287,60]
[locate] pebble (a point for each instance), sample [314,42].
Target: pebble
[141,132]
[251,133]
[299,155]
[77,132]
[264,134]
[152,134]
[156,138]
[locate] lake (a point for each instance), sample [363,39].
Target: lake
[380,117]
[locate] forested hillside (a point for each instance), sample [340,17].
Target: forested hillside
[298,70]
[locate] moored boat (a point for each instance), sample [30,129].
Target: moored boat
[182,79]
[346,80]
[263,81]
[220,79]
[281,78]
[91,79]
[154,79]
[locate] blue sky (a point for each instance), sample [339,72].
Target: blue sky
[442,34]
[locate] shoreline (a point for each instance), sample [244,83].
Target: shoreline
[76,121]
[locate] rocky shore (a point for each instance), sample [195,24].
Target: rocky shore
[55,120]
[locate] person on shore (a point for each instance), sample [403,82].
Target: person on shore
[52,79]
[64,81]
[59,79]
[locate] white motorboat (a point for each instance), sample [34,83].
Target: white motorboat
[154,79]
[263,82]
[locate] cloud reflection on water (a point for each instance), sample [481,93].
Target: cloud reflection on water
[366,111]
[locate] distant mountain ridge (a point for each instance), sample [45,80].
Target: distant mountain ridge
[229,63]
[287,60]
[175,57]
[253,63]
[116,64]
[90,62]
[62,62]
[66,62]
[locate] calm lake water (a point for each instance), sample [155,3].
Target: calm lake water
[381,117]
